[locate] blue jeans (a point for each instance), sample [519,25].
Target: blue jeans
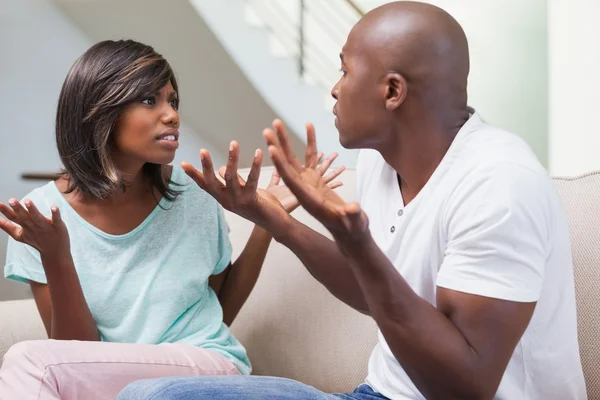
[235,388]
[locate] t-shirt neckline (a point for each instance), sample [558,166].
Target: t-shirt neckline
[66,206]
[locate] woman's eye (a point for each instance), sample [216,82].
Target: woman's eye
[149,101]
[174,104]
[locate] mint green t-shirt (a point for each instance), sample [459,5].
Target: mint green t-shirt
[151,284]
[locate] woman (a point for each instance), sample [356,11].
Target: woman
[133,276]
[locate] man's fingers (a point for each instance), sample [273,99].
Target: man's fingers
[14,231]
[306,195]
[311,147]
[252,182]
[285,144]
[196,175]
[334,174]
[336,185]
[324,166]
[271,137]
[283,167]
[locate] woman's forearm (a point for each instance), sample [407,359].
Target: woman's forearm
[71,316]
[243,274]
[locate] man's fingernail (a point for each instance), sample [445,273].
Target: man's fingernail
[231,146]
[257,153]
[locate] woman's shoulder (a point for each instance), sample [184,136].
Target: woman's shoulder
[46,195]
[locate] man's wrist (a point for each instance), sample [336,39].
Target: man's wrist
[353,243]
[283,231]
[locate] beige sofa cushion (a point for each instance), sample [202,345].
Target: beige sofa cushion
[581,198]
[19,321]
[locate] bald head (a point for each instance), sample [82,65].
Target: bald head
[405,67]
[421,42]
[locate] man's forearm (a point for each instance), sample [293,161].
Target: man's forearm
[430,348]
[323,259]
[71,316]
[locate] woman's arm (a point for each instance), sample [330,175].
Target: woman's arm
[234,285]
[71,318]
[61,302]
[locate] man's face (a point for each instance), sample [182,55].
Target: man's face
[360,107]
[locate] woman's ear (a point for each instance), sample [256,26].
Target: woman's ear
[396,89]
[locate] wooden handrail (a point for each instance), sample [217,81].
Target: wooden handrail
[40,176]
[356,8]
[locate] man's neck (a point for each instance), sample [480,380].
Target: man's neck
[416,153]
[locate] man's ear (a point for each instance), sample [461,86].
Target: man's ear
[396,90]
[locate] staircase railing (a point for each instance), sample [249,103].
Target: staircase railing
[313,31]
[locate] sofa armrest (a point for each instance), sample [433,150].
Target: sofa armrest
[19,321]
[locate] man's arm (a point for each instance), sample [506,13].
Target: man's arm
[461,348]
[458,350]
[323,259]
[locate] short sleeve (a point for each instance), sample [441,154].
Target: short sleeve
[498,232]
[224,244]
[23,263]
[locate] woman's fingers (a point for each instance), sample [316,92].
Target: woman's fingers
[324,166]
[14,231]
[9,213]
[334,174]
[254,175]
[22,214]
[231,172]
[35,214]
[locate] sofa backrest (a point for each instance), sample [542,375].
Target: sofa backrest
[581,198]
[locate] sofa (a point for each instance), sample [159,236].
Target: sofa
[292,327]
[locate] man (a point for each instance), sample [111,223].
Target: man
[459,249]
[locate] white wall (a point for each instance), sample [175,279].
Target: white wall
[509,74]
[574,35]
[38,44]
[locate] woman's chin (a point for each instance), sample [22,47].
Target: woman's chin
[164,160]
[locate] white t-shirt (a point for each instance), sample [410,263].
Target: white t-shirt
[488,222]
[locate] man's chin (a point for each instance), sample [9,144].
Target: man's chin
[347,142]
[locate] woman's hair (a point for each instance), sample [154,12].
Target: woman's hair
[101,83]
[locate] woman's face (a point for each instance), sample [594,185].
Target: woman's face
[148,131]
